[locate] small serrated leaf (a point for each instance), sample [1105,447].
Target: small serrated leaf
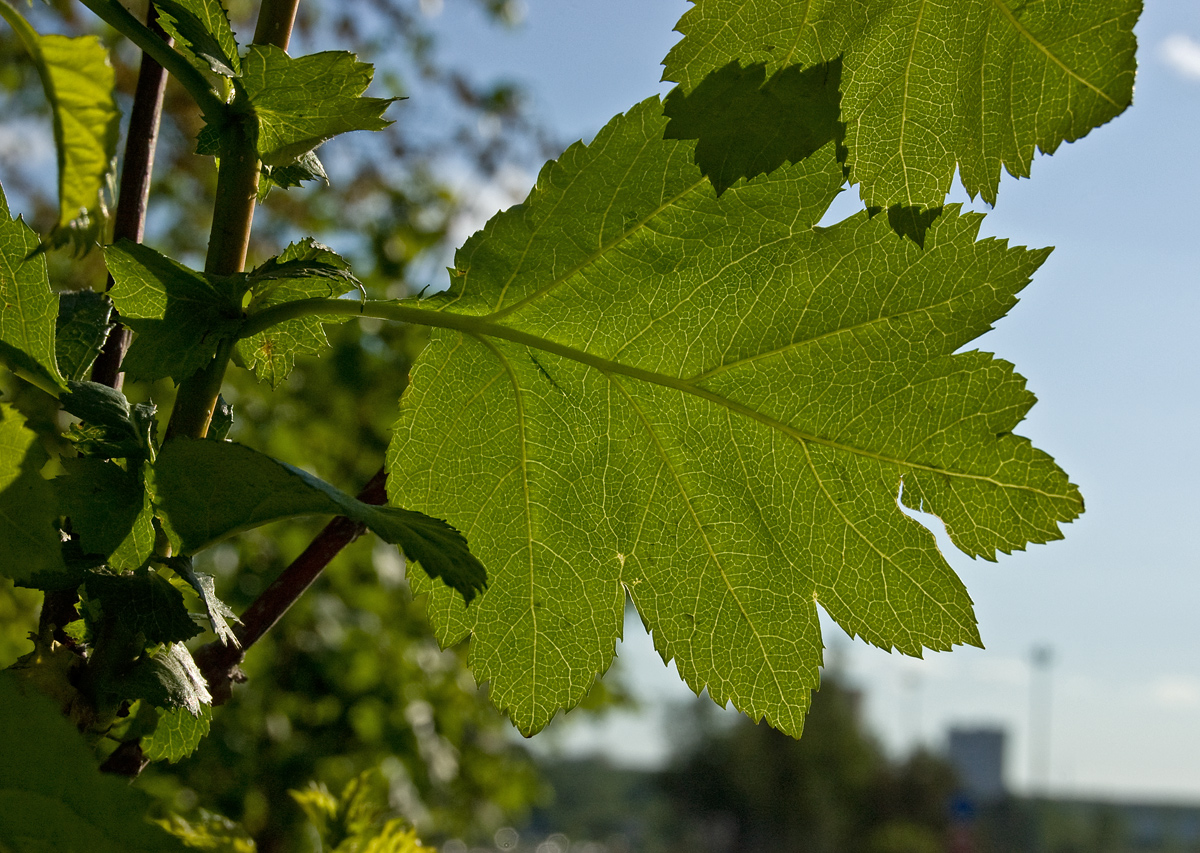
[304,270]
[202,33]
[28,308]
[177,734]
[304,101]
[180,316]
[211,489]
[169,679]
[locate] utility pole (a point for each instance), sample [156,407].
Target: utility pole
[1040,678]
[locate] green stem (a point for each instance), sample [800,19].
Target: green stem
[229,239]
[119,18]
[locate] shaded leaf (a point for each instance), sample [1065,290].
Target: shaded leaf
[80,331]
[53,797]
[176,734]
[711,404]
[109,509]
[928,87]
[143,602]
[222,420]
[180,315]
[747,125]
[210,489]
[30,546]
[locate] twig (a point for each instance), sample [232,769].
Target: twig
[218,662]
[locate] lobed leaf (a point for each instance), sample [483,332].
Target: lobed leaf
[219,614]
[711,404]
[931,86]
[53,797]
[211,489]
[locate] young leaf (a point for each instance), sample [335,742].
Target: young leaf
[712,403]
[210,489]
[52,796]
[79,83]
[30,546]
[202,33]
[81,330]
[177,734]
[180,315]
[28,307]
[302,271]
[110,431]
[926,87]
[303,101]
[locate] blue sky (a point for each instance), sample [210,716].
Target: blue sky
[1105,336]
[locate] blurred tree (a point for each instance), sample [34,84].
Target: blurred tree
[751,789]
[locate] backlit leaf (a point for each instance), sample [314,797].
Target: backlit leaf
[300,102]
[711,404]
[201,31]
[933,85]
[177,734]
[28,308]
[79,83]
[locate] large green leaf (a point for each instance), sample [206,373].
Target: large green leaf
[30,546]
[52,796]
[713,404]
[79,83]
[28,308]
[300,102]
[109,508]
[210,489]
[929,85]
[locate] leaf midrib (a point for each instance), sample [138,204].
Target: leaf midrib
[482,328]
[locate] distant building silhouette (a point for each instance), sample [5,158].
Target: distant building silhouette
[977,755]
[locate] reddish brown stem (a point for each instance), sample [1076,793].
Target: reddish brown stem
[218,662]
[129,222]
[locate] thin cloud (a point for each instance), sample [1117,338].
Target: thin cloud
[1182,53]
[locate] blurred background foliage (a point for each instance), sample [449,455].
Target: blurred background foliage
[352,678]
